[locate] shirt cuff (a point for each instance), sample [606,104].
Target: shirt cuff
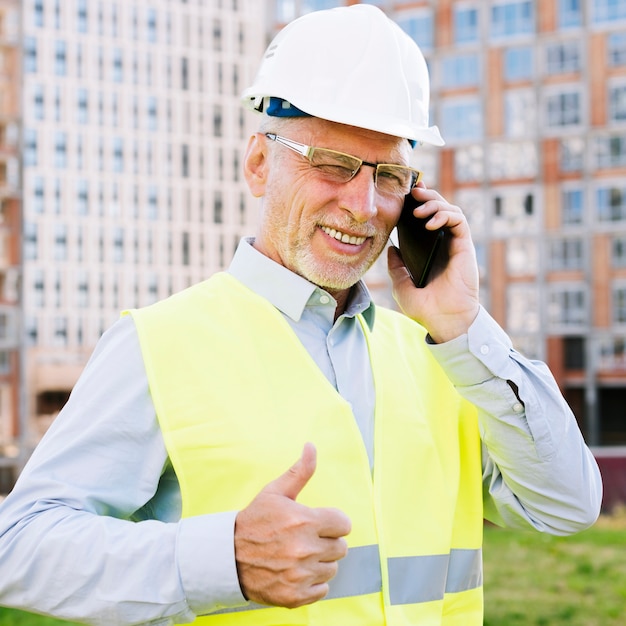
[206,562]
[479,355]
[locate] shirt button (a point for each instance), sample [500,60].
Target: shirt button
[518,407]
[324,299]
[484,349]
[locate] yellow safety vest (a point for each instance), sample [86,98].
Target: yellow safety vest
[237,396]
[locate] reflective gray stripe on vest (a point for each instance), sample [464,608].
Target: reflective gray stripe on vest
[414,579]
[358,574]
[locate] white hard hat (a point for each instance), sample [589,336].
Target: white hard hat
[351,65]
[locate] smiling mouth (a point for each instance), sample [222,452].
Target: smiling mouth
[343,237]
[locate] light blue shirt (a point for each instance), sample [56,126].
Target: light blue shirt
[92,531]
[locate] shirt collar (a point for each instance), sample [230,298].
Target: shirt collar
[287,291]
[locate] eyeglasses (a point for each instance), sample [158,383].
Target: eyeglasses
[339,167]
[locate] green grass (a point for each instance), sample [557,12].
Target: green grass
[530,579]
[539,580]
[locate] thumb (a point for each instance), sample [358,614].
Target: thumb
[291,483]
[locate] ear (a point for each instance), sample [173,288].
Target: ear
[255,165]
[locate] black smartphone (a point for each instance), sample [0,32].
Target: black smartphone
[420,248]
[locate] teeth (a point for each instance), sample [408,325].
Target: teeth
[343,237]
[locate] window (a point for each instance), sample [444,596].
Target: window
[60,242]
[185,248]
[118,154]
[60,150]
[38,14]
[217,121]
[617,103]
[619,304]
[574,353]
[30,241]
[184,157]
[217,35]
[612,353]
[58,196]
[618,251]
[118,244]
[184,74]
[60,331]
[522,256]
[460,71]
[462,120]
[420,28]
[82,290]
[509,160]
[153,203]
[60,58]
[605,11]
[523,308]
[118,65]
[151,23]
[572,154]
[563,57]
[218,207]
[520,113]
[567,306]
[30,147]
[610,151]
[611,204]
[512,18]
[30,55]
[82,197]
[38,195]
[39,102]
[563,109]
[81,16]
[465,24]
[82,105]
[616,49]
[566,254]
[572,209]
[152,107]
[513,211]
[519,63]
[570,13]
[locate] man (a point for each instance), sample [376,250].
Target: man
[165,489]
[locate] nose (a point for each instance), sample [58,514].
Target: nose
[358,195]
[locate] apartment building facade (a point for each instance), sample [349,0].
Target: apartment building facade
[131,185]
[530,96]
[10,237]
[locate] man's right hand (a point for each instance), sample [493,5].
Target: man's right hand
[287,552]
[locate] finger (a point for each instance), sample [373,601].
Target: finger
[291,483]
[333,550]
[332,523]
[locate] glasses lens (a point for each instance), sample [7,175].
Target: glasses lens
[334,165]
[396,179]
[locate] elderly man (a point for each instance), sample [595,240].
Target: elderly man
[165,491]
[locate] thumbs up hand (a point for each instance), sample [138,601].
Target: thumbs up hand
[287,552]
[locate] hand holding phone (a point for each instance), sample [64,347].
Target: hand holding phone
[419,247]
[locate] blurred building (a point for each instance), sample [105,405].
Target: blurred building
[530,96]
[131,184]
[10,238]
[120,142]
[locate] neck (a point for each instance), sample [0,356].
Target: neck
[341,297]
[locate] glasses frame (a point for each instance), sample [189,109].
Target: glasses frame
[308,151]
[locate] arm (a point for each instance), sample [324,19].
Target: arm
[92,531]
[537,470]
[68,546]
